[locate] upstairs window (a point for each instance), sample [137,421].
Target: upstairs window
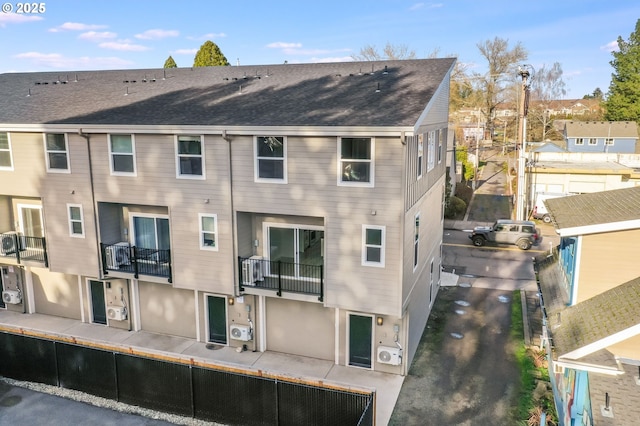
[122,153]
[373,245]
[6,160]
[416,241]
[608,141]
[355,161]
[579,141]
[208,232]
[76,220]
[420,154]
[593,141]
[190,158]
[440,144]
[431,150]
[56,150]
[270,159]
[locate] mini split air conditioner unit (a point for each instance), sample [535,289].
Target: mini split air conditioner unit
[389,355]
[10,243]
[241,332]
[117,313]
[12,296]
[252,270]
[117,255]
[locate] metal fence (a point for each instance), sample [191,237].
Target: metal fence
[226,397]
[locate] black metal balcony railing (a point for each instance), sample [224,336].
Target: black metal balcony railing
[123,257]
[23,248]
[281,276]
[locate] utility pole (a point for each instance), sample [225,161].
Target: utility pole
[521,199]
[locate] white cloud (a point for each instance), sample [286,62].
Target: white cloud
[207,36]
[157,34]
[185,52]
[123,46]
[610,47]
[14,18]
[282,45]
[417,6]
[76,26]
[58,61]
[96,36]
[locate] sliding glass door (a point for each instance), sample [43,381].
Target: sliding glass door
[151,232]
[297,248]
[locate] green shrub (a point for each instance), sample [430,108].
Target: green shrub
[455,208]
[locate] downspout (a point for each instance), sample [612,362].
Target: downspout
[87,137]
[234,248]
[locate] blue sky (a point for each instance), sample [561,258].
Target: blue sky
[81,35]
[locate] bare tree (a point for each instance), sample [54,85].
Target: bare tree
[547,86]
[390,52]
[501,74]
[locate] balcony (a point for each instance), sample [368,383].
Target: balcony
[281,276]
[23,248]
[128,259]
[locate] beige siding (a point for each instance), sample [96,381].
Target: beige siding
[305,329]
[312,191]
[606,261]
[6,216]
[56,294]
[166,310]
[28,174]
[630,348]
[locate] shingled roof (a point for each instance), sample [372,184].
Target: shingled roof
[601,129]
[597,208]
[380,93]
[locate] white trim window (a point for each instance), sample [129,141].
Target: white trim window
[76,220]
[122,155]
[420,155]
[208,231]
[270,154]
[56,152]
[608,141]
[579,141]
[373,245]
[593,141]
[416,241]
[440,144]
[6,158]
[190,157]
[356,161]
[431,150]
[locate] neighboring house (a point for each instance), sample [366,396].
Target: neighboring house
[590,290]
[601,136]
[290,208]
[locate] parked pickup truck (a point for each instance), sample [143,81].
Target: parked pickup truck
[522,233]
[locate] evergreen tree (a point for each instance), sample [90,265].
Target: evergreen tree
[209,55]
[623,99]
[170,63]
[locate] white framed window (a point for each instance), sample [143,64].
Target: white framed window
[608,141]
[6,158]
[416,241]
[56,152]
[76,220]
[190,157]
[593,141]
[373,245]
[270,153]
[579,141]
[431,150]
[356,161]
[122,155]
[420,155]
[440,144]
[208,231]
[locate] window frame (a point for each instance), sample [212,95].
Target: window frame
[431,150]
[609,141]
[593,141]
[420,155]
[416,240]
[257,158]
[440,144]
[179,174]
[579,141]
[382,246]
[71,220]
[47,152]
[10,151]
[201,232]
[111,154]
[371,162]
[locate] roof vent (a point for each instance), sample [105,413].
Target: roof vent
[386,71]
